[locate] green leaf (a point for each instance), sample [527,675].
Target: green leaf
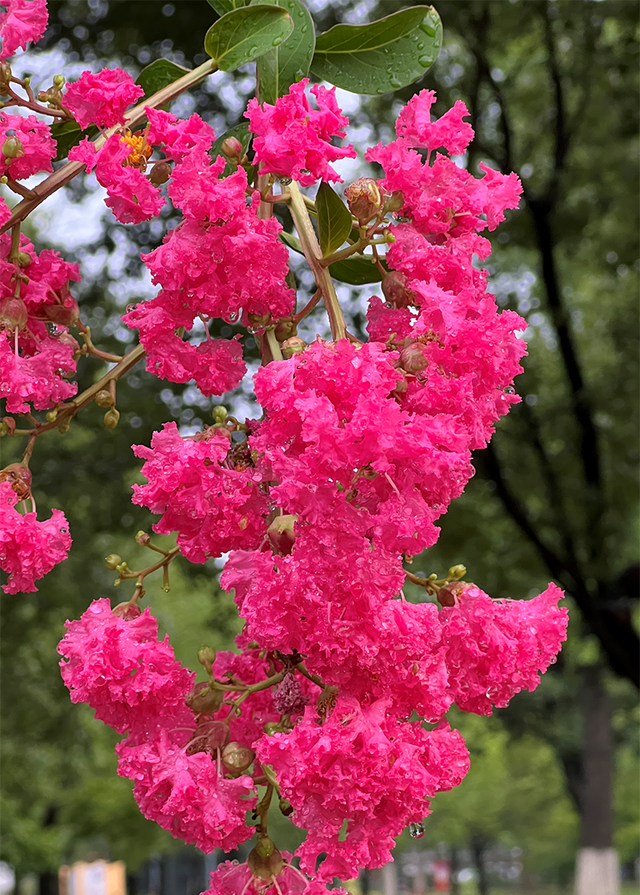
[356,271]
[159,74]
[244,34]
[380,57]
[240,132]
[292,241]
[222,7]
[334,219]
[68,134]
[281,67]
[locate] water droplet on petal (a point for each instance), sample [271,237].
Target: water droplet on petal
[416,830]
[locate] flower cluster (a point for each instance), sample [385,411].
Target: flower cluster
[37,351]
[336,701]
[222,261]
[28,549]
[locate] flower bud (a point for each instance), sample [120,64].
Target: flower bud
[104,398]
[203,700]
[208,737]
[364,199]
[62,314]
[4,429]
[160,173]
[232,149]
[281,534]
[12,148]
[237,757]
[396,291]
[13,314]
[24,259]
[292,346]
[142,538]
[52,416]
[393,201]
[262,865]
[64,427]
[111,418]
[219,413]
[270,728]
[448,594]
[112,561]
[19,477]
[5,76]
[285,329]
[206,657]
[413,359]
[127,611]
[457,572]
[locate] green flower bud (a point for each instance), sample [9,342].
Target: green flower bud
[111,418]
[52,416]
[203,700]
[104,398]
[237,757]
[457,572]
[364,199]
[292,346]
[12,148]
[206,657]
[219,413]
[112,561]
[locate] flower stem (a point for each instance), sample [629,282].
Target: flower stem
[313,255]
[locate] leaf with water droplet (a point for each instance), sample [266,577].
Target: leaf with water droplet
[359,57]
[246,33]
[278,69]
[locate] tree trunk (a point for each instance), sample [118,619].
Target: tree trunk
[477,850]
[597,862]
[48,884]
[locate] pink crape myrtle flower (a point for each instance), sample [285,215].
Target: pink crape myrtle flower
[293,139]
[21,22]
[364,767]
[29,549]
[449,131]
[26,146]
[118,667]
[130,195]
[101,98]
[331,601]
[214,506]
[186,794]
[35,378]
[231,878]
[497,648]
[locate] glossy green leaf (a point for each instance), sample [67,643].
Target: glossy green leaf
[244,34]
[159,74]
[222,7]
[380,57]
[68,134]
[281,67]
[334,219]
[356,271]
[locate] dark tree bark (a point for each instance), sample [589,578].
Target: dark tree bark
[597,814]
[478,845]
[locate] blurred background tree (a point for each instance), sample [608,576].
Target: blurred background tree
[552,90]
